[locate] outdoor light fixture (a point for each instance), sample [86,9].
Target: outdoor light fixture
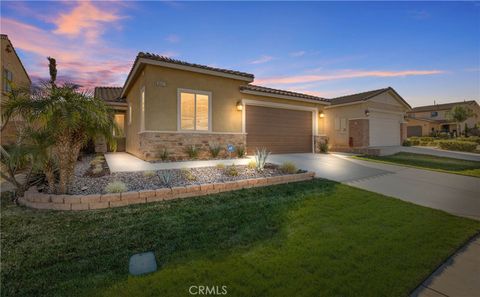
[321,114]
[367,112]
[239,106]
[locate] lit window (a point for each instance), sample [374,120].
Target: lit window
[129,113]
[120,123]
[142,109]
[194,111]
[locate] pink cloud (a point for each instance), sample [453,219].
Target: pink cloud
[85,19]
[347,74]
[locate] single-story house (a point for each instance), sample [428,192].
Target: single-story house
[432,119]
[173,104]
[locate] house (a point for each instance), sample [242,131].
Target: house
[425,120]
[174,104]
[14,75]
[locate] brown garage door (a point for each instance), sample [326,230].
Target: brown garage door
[414,131]
[279,130]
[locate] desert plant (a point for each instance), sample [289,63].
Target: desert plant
[149,173]
[97,169]
[240,151]
[214,148]
[252,164]
[220,166]
[288,167]
[166,177]
[231,170]
[261,158]
[192,151]
[188,175]
[323,146]
[116,187]
[164,154]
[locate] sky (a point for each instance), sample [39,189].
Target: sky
[427,51]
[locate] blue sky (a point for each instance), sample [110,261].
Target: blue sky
[425,50]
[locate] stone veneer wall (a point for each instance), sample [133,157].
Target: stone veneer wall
[152,143]
[37,200]
[359,131]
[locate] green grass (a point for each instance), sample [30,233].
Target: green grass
[316,238]
[442,164]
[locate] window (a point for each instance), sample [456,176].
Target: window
[343,125]
[337,124]
[142,109]
[129,113]
[119,119]
[194,110]
[433,114]
[7,80]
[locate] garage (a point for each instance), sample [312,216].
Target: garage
[414,131]
[384,131]
[279,130]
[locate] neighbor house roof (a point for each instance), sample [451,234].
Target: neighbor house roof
[148,58]
[364,96]
[260,89]
[4,36]
[110,94]
[445,106]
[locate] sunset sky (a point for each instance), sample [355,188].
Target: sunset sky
[426,51]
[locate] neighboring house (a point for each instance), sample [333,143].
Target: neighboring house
[425,120]
[112,96]
[14,75]
[174,104]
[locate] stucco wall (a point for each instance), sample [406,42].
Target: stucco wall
[133,124]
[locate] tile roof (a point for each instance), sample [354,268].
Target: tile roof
[364,96]
[5,36]
[281,92]
[109,94]
[183,63]
[444,106]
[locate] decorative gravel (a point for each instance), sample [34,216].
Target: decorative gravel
[135,181]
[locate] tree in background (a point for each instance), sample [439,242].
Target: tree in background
[460,114]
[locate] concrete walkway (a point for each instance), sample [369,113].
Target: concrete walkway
[456,194]
[123,162]
[426,150]
[459,276]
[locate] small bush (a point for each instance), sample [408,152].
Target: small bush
[214,148]
[192,151]
[456,145]
[288,167]
[97,170]
[149,173]
[323,146]
[413,141]
[261,158]
[471,138]
[188,175]
[164,154]
[96,162]
[116,187]
[231,170]
[220,166]
[252,164]
[407,142]
[166,177]
[240,151]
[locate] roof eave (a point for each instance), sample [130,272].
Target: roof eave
[260,93]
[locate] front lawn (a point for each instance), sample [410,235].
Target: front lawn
[315,238]
[448,165]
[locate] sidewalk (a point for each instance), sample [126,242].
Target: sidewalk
[459,276]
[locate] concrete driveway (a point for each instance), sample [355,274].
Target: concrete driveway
[456,194]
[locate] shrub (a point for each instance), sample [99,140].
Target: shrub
[252,164]
[323,146]
[188,175]
[288,167]
[166,177]
[261,158]
[456,145]
[231,170]
[240,151]
[96,162]
[407,142]
[116,187]
[426,141]
[192,151]
[214,148]
[220,166]
[97,170]
[471,138]
[149,173]
[164,154]
[413,140]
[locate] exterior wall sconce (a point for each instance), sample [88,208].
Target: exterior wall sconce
[239,106]
[367,112]
[321,114]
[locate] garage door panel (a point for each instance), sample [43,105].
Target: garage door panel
[384,132]
[279,130]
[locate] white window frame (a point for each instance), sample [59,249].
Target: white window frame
[179,110]
[129,113]
[142,109]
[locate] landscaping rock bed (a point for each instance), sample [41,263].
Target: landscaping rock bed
[84,184]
